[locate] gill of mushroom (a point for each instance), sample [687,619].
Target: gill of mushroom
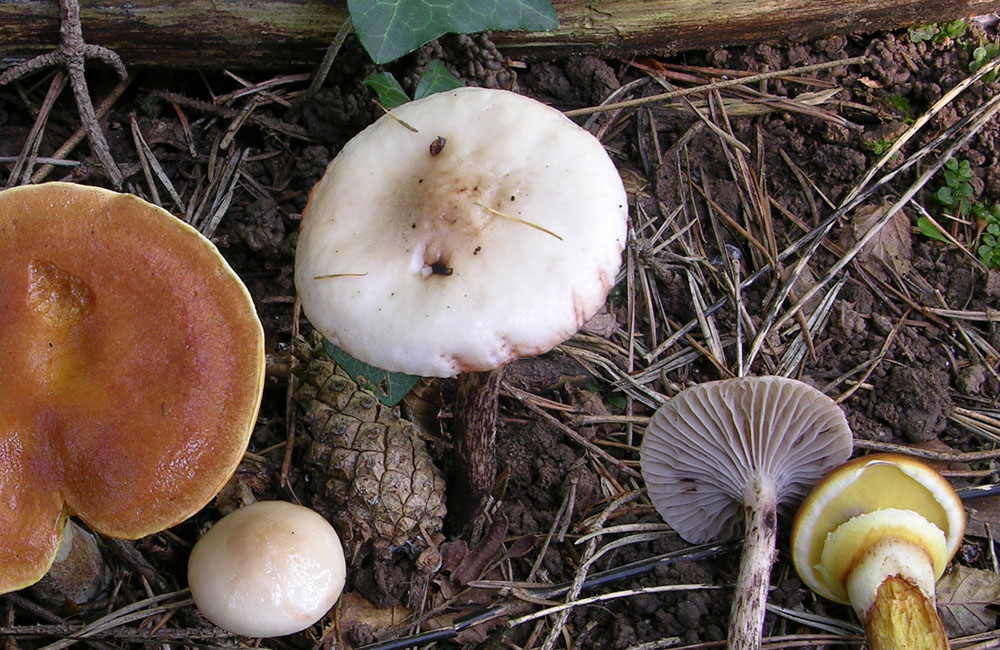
[726,455]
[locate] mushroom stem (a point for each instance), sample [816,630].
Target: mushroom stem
[474,427]
[746,620]
[892,590]
[78,574]
[903,618]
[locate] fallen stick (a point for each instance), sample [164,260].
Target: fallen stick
[289,33]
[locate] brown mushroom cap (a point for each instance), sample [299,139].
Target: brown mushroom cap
[131,370]
[703,449]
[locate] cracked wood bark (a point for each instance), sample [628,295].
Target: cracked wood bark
[283,33]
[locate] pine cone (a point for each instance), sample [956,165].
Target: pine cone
[370,471]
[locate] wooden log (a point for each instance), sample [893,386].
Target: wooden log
[294,33]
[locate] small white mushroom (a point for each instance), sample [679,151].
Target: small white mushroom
[491,233]
[268,569]
[726,455]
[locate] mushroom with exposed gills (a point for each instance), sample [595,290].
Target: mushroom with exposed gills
[492,232]
[726,455]
[268,569]
[877,533]
[131,371]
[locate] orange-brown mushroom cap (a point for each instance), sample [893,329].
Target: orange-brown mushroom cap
[131,370]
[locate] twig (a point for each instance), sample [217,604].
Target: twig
[652,99]
[72,52]
[595,580]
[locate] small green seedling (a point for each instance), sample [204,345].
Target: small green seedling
[435,79]
[956,194]
[982,55]
[989,241]
[880,146]
[937,32]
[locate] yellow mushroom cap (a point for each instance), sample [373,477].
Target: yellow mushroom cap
[880,482]
[131,372]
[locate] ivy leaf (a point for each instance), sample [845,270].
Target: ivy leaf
[389,387]
[390,93]
[388,29]
[928,229]
[436,79]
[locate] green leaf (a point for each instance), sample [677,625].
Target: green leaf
[388,29]
[953,29]
[436,79]
[389,387]
[963,191]
[922,33]
[928,229]
[950,178]
[390,93]
[945,196]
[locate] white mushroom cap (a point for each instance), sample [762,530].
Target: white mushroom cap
[437,260]
[703,449]
[268,569]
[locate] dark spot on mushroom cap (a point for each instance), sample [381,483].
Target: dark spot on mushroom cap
[440,268]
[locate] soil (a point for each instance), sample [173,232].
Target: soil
[906,335]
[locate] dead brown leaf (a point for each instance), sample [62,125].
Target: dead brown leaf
[890,250]
[982,513]
[355,610]
[967,599]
